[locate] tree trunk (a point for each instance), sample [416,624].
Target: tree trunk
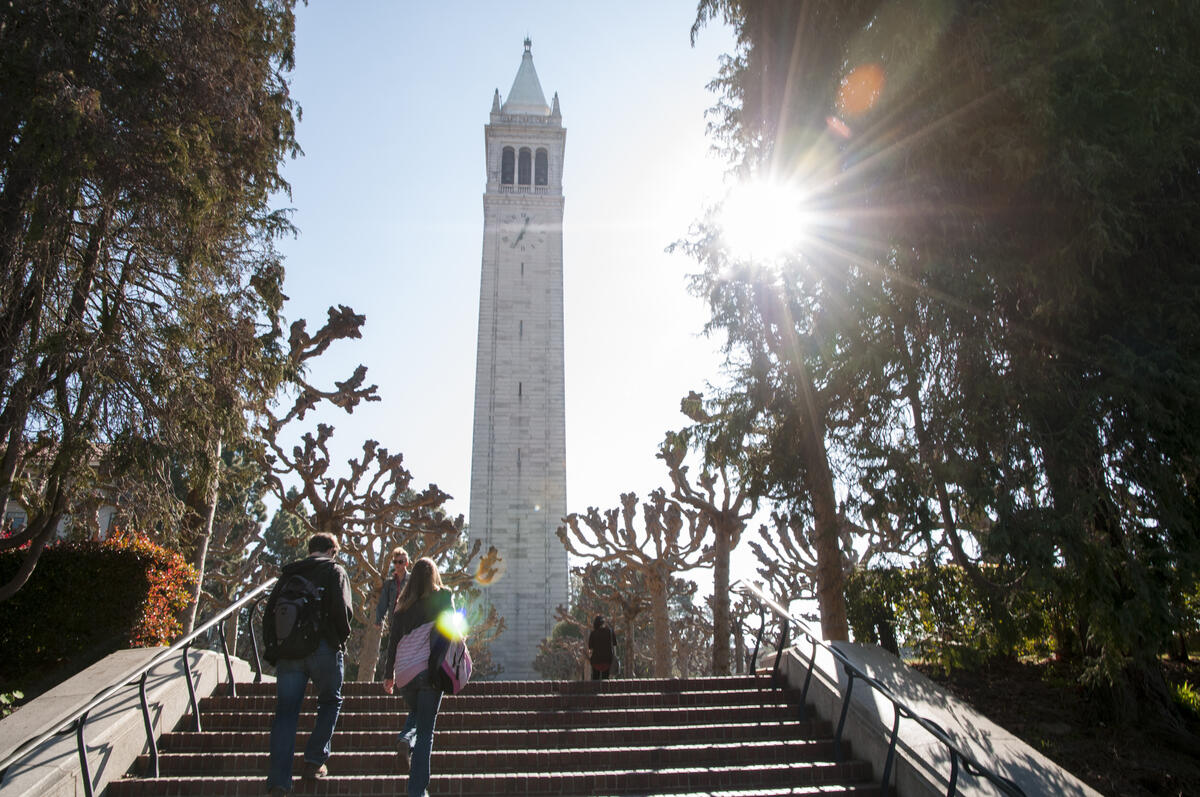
[739,650]
[368,660]
[721,601]
[830,575]
[662,625]
[200,558]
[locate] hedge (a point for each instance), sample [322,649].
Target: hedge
[87,599]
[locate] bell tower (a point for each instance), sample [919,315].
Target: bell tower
[518,461]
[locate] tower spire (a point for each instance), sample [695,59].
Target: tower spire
[526,97]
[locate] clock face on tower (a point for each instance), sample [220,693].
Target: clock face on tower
[521,233]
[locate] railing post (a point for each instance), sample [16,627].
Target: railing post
[254,642]
[83,762]
[812,662]
[887,765]
[837,739]
[776,677]
[228,663]
[149,726]
[187,669]
[762,627]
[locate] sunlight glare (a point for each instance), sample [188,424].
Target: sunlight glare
[763,220]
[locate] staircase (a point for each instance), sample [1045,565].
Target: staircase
[732,736]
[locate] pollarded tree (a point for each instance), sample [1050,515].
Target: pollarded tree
[372,507]
[672,541]
[726,514]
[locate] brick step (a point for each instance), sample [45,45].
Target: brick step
[535,738]
[668,755]
[707,683]
[467,702]
[750,779]
[463,720]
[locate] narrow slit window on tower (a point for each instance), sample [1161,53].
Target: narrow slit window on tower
[541,170]
[521,329]
[519,386]
[507,165]
[524,166]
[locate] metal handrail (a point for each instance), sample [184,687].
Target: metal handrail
[900,709]
[74,719]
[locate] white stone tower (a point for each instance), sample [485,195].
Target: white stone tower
[518,463]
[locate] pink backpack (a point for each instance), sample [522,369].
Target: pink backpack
[456,666]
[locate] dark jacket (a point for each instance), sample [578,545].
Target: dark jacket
[426,610]
[336,603]
[387,596]
[603,643]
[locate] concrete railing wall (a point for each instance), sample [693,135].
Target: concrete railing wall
[922,768]
[115,734]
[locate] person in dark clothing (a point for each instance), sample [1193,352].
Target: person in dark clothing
[410,665]
[393,585]
[602,649]
[324,666]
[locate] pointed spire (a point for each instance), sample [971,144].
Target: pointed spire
[496,101]
[554,110]
[525,96]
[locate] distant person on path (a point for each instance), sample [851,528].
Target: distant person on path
[323,665]
[409,666]
[393,585]
[602,649]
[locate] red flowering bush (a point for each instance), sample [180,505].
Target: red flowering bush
[87,599]
[169,584]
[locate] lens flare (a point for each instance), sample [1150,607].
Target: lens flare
[860,89]
[452,624]
[490,569]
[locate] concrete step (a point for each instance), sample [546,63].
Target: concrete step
[537,738]
[669,754]
[472,720]
[849,778]
[537,702]
[706,683]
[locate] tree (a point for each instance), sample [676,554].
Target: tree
[671,542]
[371,507]
[139,287]
[1023,217]
[726,516]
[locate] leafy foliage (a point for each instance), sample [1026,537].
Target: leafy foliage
[87,599]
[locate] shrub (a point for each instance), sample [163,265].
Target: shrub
[1187,697]
[87,599]
[936,612]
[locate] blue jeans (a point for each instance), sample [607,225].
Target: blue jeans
[423,702]
[324,667]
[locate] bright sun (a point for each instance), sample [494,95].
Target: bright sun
[763,220]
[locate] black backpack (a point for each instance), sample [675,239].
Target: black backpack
[292,622]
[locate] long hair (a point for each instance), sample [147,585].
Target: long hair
[422,580]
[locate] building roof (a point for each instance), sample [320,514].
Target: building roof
[525,96]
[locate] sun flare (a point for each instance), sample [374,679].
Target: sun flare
[763,220]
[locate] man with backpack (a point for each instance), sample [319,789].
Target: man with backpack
[305,626]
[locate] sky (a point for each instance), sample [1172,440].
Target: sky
[388,202]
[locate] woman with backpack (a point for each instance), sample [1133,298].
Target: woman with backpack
[410,667]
